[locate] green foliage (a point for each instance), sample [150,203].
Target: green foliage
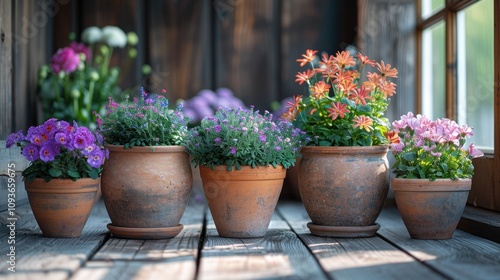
[238,137]
[147,121]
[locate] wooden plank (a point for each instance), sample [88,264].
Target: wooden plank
[481,222]
[179,47]
[277,255]
[355,258]
[465,256]
[151,259]
[39,257]
[11,162]
[6,36]
[245,47]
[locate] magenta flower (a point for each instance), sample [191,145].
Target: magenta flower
[66,60]
[31,152]
[80,48]
[473,152]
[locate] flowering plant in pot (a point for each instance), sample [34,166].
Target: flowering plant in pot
[80,77]
[243,156]
[343,117]
[147,180]
[63,177]
[433,173]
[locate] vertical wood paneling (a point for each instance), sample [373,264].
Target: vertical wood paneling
[5,68]
[26,30]
[179,46]
[244,50]
[326,26]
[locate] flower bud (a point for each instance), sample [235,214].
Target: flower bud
[104,49]
[75,93]
[94,76]
[91,35]
[132,38]
[115,72]
[132,53]
[146,69]
[42,73]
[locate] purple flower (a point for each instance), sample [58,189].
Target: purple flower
[89,149]
[64,139]
[80,48]
[217,140]
[83,138]
[14,138]
[217,128]
[96,158]
[66,60]
[31,152]
[277,148]
[49,151]
[263,138]
[233,150]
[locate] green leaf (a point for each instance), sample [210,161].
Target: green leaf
[55,172]
[410,156]
[73,174]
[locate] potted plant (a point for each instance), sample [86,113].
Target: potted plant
[343,171]
[433,174]
[63,176]
[147,180]
[80,78]
[243,156]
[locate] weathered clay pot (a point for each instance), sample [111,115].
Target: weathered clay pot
[146,190]
[431,209]
[343,189]
[242,201]
[62,206]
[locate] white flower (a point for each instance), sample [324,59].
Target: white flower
[114,36]
[92,34]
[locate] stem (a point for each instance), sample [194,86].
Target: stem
[105,65]
[75,107]
[91,95]
[56,89]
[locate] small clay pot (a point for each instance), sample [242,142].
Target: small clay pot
[343,188]
[431,209]
[146,190]
[242,201]
[61,206]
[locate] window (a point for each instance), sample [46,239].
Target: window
[458,77]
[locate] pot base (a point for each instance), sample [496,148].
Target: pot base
[145,233]
[343,231]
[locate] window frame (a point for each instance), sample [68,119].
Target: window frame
[486,182]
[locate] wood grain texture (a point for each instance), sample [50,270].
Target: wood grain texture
[39,257]
[277,255]
[355,258]
[179,46]
[6,66]
[173,258]
[463,257]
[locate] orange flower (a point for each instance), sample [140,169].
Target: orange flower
[363,122]
[290,115]
[386,71]
[346,86]
[338,109]
[307,57]
[387,88]
[319,89]
[304,76]
[296,102]
[392,136]
[373,81]
[344,59]
[365,60]
[360,95]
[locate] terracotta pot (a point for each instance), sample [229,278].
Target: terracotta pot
[62,206]
[431,209]
[146,190]
[242,201]
[343,189]
[291,183]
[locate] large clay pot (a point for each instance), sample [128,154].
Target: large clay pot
[343,189]
[431,209]
[62,206]
[242,201]
[146,190]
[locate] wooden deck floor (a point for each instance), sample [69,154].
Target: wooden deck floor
[288,251]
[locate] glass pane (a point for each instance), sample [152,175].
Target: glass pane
[433,71]
[475,71]
[429,7]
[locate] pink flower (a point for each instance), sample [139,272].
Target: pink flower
[473,152]
[80,48]
[66,60]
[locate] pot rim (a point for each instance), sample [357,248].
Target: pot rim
[426,185]
[147,149]
[379,149]
[82,185]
